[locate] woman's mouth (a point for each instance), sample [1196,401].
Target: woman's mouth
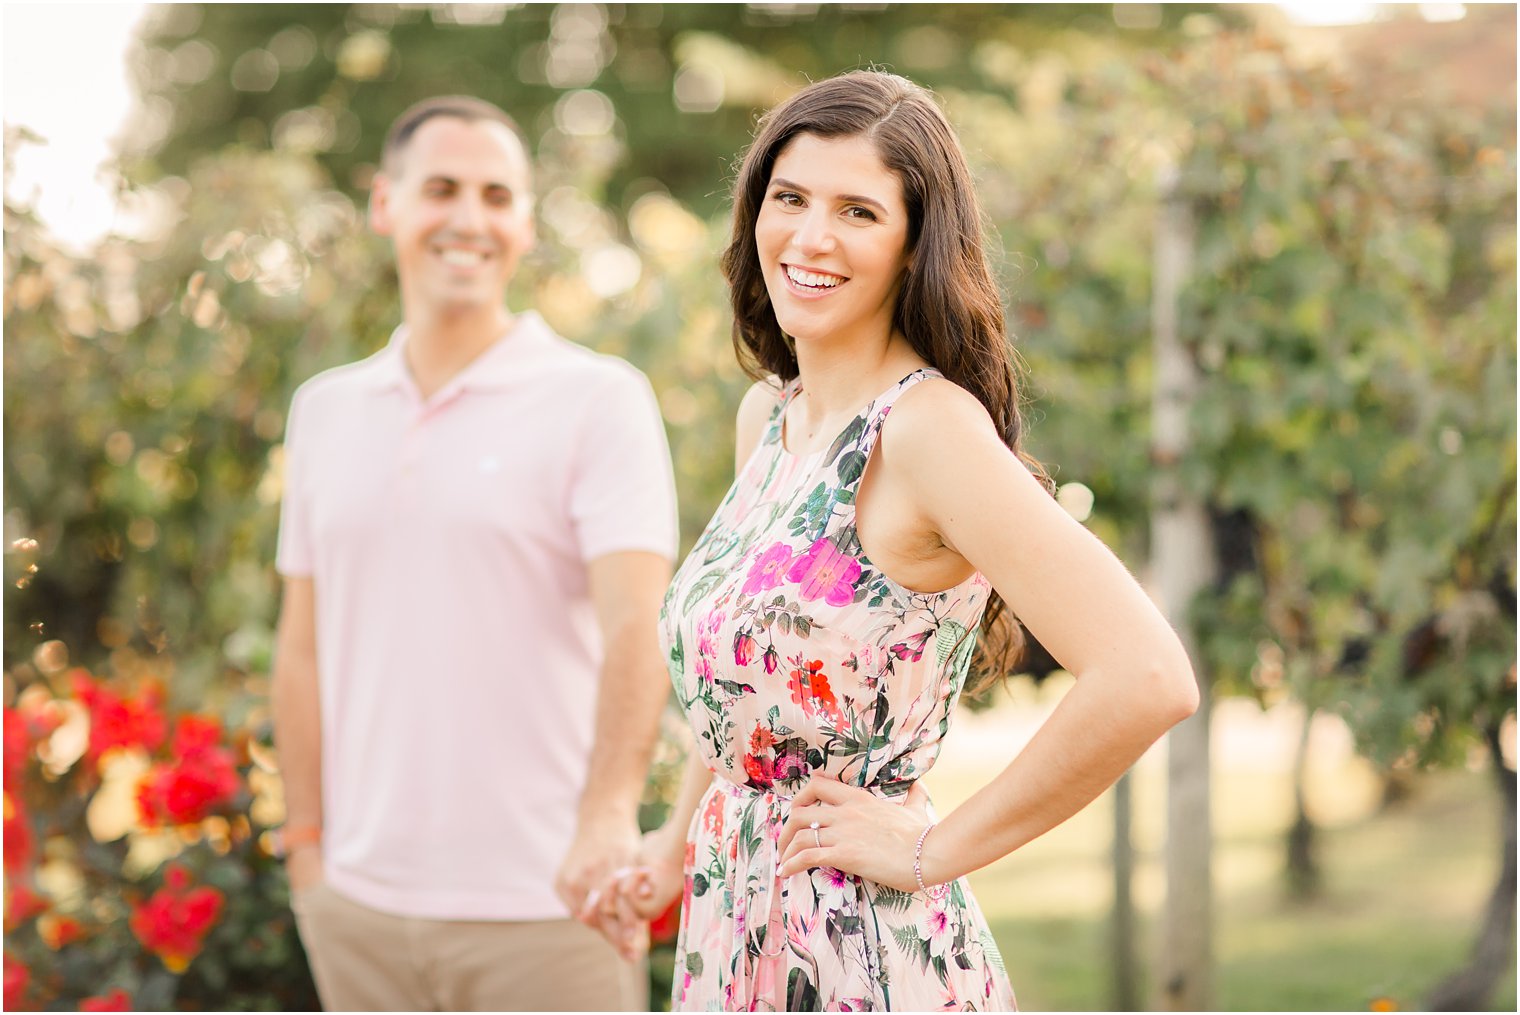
[809,281]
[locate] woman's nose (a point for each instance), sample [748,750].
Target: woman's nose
[814,234]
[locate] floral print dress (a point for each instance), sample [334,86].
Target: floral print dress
[793,655]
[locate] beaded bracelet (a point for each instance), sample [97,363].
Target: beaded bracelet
[937,892]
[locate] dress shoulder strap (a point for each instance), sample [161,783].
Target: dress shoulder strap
[789,391]
[848,455]
[876,413]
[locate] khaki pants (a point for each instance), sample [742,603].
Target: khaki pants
[365,960]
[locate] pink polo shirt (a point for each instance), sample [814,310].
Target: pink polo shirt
[458,649]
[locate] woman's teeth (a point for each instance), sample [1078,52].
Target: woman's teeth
[811,279]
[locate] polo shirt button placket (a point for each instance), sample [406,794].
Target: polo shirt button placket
[411,458]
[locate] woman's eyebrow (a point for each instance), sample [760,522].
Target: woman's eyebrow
[846,198]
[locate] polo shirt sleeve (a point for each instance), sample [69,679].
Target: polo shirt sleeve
[293,554]
[622,492]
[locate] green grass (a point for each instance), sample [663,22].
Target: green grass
[1403,888]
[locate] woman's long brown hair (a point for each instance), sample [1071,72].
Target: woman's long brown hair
[948,308]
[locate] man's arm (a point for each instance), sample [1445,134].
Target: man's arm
[626,588]
[298,731]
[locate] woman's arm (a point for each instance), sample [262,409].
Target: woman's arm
[647,890]
[668,842]
[1134,681]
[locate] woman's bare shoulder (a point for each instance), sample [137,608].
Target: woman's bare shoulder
[754,413]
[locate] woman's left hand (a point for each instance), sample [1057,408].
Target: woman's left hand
[859,832]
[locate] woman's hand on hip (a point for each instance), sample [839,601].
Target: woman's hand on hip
[857,832]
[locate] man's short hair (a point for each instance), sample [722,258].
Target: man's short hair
[460,107]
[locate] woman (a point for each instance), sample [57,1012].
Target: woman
[825,623]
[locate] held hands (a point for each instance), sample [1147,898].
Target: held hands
[624,902]
[601,848]
[859,833]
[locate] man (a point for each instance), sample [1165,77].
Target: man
[477,530]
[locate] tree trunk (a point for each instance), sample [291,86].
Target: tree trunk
[1303,870]
[1469,988]
[1126,971]
[1182,565]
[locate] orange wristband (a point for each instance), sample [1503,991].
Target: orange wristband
[292,837]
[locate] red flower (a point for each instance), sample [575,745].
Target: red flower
[712,816]
[174,922]
[116,1000]
[117,721]
[188,792]
[18,746]
[17,976]
[810,690]
[664,927]
[201,779]
[25,727]
[196,733]
[744,648]
[22,904]
[760,739]
[18,836]
[760,771]
[57,931]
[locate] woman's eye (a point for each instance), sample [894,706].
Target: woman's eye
[865,214]
[788,198]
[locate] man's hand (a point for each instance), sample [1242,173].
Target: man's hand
[601,852]
[622,906]
[304,868]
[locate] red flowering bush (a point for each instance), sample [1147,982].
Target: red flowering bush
[114,1000]
[117,721]
[200,780]
[136,873]
[173,923]
[17,977]
[18,836]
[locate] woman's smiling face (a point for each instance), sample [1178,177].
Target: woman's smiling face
[832,236]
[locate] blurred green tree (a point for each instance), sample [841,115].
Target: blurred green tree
[677,86]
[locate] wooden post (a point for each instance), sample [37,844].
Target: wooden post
[1126,969]
[1182,562]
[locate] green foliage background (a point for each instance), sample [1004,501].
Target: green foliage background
[1351,306]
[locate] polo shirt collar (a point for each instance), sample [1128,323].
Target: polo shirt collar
[495,368]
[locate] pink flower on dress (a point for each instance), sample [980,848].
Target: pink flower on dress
[834,887]
[937,929]
[744,648]
[707,629]
[825,572]
[769,570]
[912,649]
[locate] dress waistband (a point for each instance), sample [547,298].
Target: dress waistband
[890,790]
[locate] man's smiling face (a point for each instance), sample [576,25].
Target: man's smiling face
[457,204]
